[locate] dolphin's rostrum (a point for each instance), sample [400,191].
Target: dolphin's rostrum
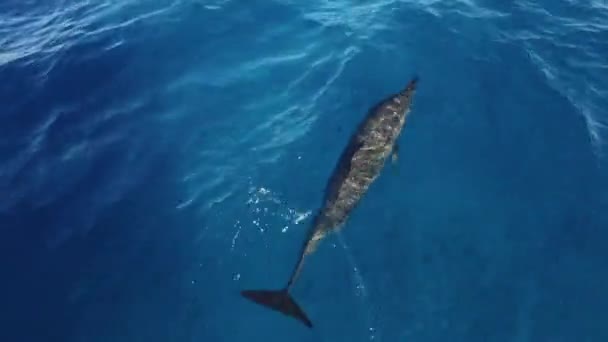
[358,166]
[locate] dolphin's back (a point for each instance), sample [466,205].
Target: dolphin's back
[363,159]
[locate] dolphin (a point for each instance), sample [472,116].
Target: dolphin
[359,165]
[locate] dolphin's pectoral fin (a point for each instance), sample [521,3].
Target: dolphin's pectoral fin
[395,154]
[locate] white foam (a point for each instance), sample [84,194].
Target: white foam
[236,234]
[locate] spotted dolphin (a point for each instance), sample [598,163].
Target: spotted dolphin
[359,165]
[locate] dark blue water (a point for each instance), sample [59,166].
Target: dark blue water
[157,157]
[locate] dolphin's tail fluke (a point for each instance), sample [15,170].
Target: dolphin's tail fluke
[279,300]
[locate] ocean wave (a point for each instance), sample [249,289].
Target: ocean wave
[61,63]
[253,104]
[46,30]
[466,8]
[262,137]
[247,107]
[572,69]
[256,130]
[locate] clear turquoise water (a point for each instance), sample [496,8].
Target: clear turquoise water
[156,157]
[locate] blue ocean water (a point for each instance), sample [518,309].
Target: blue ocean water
[157,157]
